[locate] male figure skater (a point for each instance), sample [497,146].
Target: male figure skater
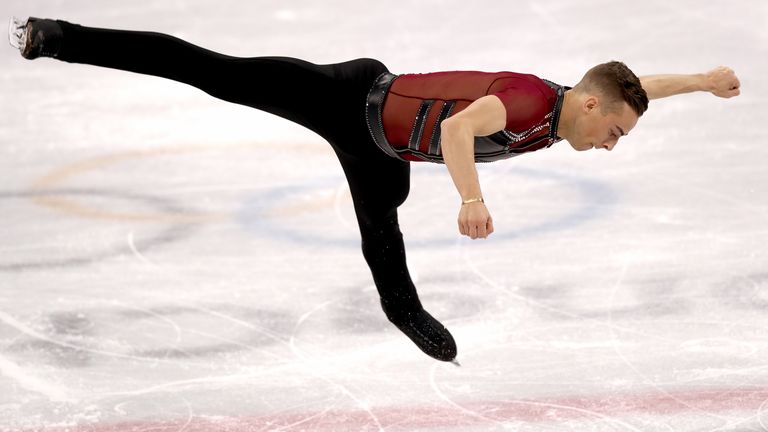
[378,122]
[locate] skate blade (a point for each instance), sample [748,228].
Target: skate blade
[17,35]
[456,363]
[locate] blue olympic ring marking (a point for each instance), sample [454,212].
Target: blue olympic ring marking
[596,198]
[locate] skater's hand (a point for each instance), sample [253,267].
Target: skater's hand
[475,220]
[722,82]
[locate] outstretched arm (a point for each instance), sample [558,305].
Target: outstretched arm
[721,82]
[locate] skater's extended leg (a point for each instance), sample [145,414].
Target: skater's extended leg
[277,85]
[378,187]
[288,87]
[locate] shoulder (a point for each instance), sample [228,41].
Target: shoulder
[526,98]
[520,83]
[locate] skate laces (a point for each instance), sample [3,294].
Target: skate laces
[17,33]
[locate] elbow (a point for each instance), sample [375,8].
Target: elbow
[452,127]
[447,125]
[455,136]
[450,133]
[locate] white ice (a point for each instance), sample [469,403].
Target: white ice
[171,262]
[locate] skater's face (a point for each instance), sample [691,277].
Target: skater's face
[599,126]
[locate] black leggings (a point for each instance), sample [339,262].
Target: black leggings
[328,99]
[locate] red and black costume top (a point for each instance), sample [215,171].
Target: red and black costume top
[404,112]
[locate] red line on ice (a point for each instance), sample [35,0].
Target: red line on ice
[694,402]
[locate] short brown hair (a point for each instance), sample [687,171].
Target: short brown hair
[616,82]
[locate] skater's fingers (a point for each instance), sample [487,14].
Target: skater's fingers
[473,231]
[481,231]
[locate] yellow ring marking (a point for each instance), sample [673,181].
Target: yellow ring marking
[59,176]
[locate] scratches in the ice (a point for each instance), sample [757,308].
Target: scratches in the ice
[161,317]
[136,252]
[261,330]
[308,419]
[119,408]
[304,317]
[730,426]
[314,368]
[174,386]
[512,292]
[617,329]
[616,348]
[760,411]
[25,329]
[30,382]
[190,415]
[615,343]
[507,424]
[276,337]
[443,396]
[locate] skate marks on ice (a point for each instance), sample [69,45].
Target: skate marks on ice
[146,239]
[110,201]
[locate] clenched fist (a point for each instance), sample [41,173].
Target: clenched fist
[475,220]
[723,82]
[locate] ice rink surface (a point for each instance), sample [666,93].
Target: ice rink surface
[171,262]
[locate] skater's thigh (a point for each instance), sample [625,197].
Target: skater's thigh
[329,99]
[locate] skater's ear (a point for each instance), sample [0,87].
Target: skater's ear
[590,103]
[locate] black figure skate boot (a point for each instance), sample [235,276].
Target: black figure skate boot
[35,37]
[425,331]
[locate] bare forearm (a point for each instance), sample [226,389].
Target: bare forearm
[457,144]
[457,141]
[660,86]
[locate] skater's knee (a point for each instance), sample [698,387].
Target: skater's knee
[380,238]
